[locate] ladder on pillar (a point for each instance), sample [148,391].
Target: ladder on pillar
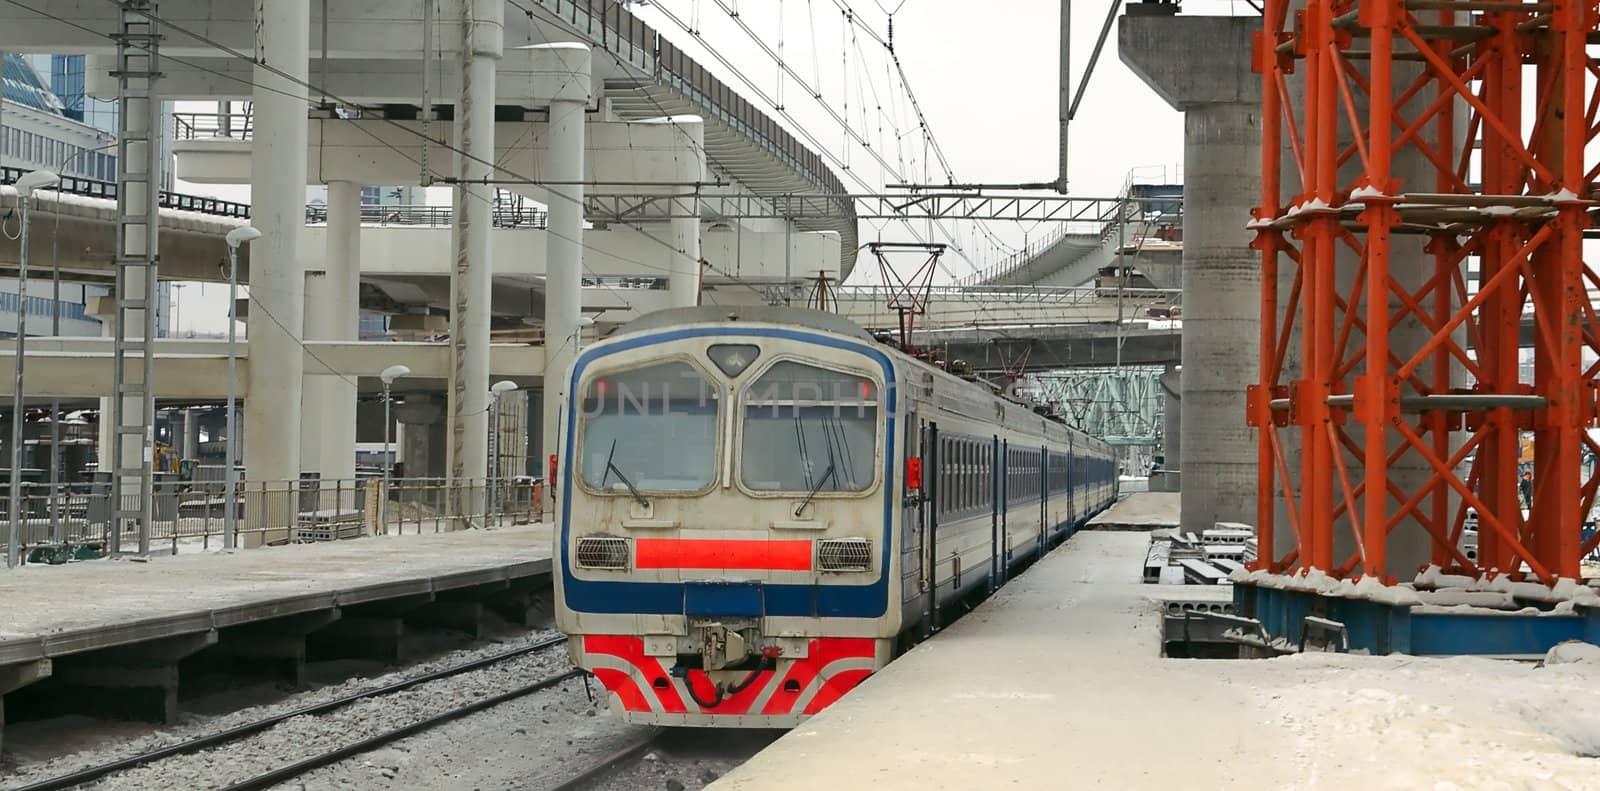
[138,218]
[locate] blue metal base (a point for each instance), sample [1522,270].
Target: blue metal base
[1397,629]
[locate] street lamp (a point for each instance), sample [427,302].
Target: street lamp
[387,376]
[495,391]
[25,186]
[230,500]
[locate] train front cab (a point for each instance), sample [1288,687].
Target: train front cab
[725,554]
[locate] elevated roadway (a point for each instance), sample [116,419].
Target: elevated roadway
[372,58]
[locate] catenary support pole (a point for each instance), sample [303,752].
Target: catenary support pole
[470,280]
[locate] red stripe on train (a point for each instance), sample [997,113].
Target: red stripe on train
[713,553]
[631,691]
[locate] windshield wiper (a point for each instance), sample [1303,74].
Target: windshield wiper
[826,474]
[611,467]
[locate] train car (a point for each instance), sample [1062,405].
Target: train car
[757,511]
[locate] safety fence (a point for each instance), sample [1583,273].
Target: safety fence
[62,522]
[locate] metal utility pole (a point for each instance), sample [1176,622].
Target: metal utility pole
[230,498]
[14,511]
[1065,93]
[1122,270]
[387,377]
[138,220]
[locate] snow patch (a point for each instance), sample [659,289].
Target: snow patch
[1573,652]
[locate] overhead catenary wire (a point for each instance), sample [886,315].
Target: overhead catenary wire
[799,128]
[851,24]
[310,103]
[341,100]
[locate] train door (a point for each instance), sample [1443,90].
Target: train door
[933,462]
[1043,468]
[1003,466]
[913,507]
[1067,482]
[996,550]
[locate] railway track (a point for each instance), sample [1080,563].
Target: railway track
[694,757]
[612,762]
[285,772]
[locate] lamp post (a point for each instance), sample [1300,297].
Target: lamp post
[230,500]
[387,376]
[495,391]
[25,187]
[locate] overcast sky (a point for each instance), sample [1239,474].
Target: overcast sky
[986,81]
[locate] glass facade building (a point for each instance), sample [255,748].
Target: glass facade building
[45,131]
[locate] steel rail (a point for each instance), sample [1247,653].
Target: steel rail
[609,763]
[251,728]
[276,776]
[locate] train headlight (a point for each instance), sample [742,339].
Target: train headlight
[602,552]
[844,554]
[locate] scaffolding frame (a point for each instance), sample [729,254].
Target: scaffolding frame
[1365,394]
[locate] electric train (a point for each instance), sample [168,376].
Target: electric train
[755,511]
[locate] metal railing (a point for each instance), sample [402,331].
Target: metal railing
[66,522]
[107,190]
[1025,294]
[611,27]
[503,216]
[196,126]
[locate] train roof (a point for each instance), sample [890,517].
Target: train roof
[764,314]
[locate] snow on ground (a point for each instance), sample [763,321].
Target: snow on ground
[1057,682]
[1439,723]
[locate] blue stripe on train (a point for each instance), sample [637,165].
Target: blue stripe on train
[667,598]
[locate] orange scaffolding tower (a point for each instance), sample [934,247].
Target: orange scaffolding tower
[1371,360]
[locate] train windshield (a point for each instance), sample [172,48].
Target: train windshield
[650,429]
[809,429]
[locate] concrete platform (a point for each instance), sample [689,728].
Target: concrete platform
[50,611]
[117,639]
[1139,511]
[1057,682]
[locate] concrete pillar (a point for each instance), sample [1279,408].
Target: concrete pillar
[684,233]
[1172,419]
[421,442]
[538,465]
[483,31]
[328,435]
[277,271]
[568,68]
[1201,66]
[191,433]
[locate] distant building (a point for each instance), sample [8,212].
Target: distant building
[40,135]
[66,81]
[36,133]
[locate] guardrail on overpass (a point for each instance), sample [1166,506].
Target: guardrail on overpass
[90,188]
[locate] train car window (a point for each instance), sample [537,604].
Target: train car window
[969,481]
[653,427]
[960,472]
[945,481]
[962,493]
[808,428]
